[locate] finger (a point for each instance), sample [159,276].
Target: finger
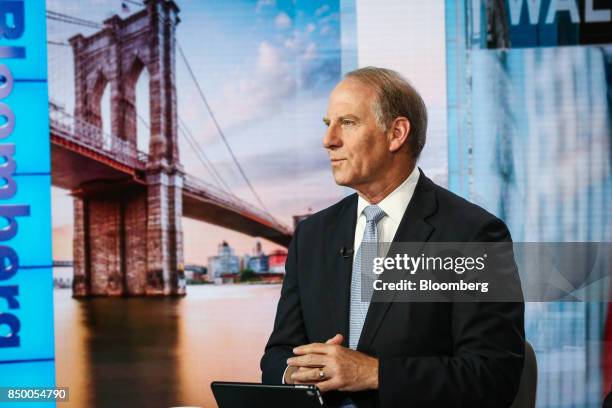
[337,339]
[310,375]
[308,360]
[300,369]
[313,348]
[287,376]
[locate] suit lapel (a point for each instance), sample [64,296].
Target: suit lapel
[341,234]
[412,228]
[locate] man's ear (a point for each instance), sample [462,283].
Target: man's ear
[398,133]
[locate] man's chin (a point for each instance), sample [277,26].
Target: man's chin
[342,181]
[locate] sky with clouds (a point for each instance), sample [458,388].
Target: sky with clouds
[266,69]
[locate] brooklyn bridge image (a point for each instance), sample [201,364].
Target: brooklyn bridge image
[128,204]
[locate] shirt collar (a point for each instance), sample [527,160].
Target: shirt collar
[395,204]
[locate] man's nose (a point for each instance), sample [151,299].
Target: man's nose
[331,139]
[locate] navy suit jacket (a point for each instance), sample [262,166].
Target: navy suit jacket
[430,354]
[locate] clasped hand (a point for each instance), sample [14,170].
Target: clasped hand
[343,369]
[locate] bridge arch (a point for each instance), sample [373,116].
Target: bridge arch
[128,237]
[137,90]
[129,240]
[98,87]
[122,50]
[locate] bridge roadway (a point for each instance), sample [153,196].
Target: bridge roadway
[82,155]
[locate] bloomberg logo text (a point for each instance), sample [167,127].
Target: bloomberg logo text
[12,27]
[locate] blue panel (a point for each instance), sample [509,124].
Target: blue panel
[26,290]
[33,239]
[27,374]
[35,313]
[34,40]
[29,103]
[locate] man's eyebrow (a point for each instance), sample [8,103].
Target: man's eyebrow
[327,121]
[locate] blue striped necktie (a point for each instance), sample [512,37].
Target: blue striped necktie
[364,258]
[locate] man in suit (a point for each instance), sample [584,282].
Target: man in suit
[388,354]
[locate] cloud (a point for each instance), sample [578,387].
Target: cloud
[250,94]
[322,10]
[268,83]
[254,90]
[268,57]
[329,23]
[319,73]
[282,21]
[264,3]
[291,43]
[310,52]
[318,69]
[330,18]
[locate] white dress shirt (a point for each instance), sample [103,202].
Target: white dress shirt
[394,205]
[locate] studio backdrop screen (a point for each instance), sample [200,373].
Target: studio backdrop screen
[157,155]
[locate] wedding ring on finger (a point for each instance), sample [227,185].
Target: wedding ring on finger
[321,374]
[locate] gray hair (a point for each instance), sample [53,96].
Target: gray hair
[396,97]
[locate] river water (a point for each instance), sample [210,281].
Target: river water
[160,352]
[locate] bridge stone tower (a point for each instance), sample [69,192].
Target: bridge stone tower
[128,237]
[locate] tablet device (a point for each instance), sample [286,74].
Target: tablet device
[251,395]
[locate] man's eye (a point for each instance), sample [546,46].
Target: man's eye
[347,122]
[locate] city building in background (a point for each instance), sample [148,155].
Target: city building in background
[224,264]
[257,250]
[195,273]
[257,263]
[268,268]
[276,260]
